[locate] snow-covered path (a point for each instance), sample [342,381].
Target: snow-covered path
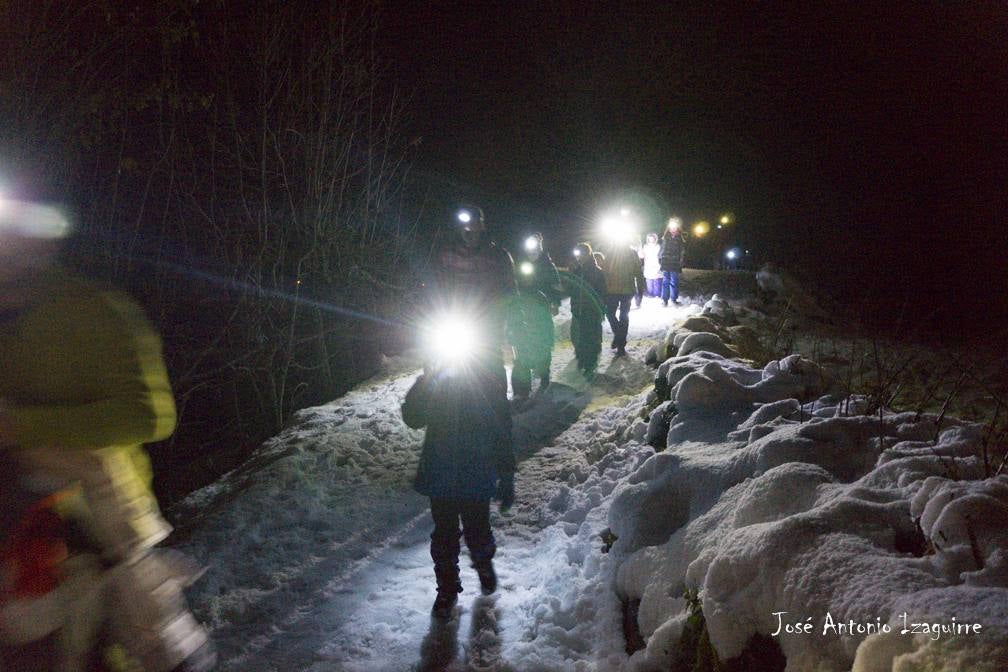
[319,549]
[731,494]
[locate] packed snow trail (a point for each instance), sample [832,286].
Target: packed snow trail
[318,548]
[762,491]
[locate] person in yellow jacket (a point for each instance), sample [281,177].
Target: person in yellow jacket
[83,386]
[624,279]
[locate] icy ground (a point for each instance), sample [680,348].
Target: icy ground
[756,488]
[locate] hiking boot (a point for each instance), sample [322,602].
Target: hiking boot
[620,352]
[612,346]
[444,603]
[448,588]
[487,576]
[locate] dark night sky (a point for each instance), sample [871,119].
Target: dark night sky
[866,142]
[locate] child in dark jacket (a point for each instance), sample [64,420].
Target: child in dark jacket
[467,460]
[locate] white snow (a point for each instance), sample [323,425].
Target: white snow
[776,501]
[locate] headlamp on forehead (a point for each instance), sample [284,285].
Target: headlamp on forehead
[32,220]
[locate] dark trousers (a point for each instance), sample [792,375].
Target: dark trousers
[618,314]
[475,519]
[654,286]
[586,335]
[525,367]
[670,286]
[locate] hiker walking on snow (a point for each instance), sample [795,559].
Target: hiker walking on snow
[530,318]
[670,257]
[84,386]
[586,286]
[461,400]
[623,280]
[467,459]
[651,266]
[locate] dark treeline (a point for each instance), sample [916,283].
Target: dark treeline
[244,173]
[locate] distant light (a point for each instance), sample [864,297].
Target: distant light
[747,251]
[674,223]
[719,226]
[577,252]
[732,254]
[527,268]
[531,243]
[701,229]
[464,216]
[617,229]
[725,219]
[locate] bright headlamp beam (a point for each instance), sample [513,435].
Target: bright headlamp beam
[526,268]
[452,340]
[464,216]
[531,243]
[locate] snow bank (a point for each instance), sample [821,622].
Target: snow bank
[779,507]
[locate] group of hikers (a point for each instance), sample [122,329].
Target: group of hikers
[468,458]
[83,385]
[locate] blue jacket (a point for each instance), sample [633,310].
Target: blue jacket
[468,443]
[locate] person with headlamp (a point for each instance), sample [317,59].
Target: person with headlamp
[529,319]
[670,259]
[461,399]
[83,387]
[624,280]
[471,270]
[586,286]
[467,457]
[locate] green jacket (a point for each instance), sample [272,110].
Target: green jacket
[81,369]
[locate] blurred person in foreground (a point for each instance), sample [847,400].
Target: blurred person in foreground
[82,387]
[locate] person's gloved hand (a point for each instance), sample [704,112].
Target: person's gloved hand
[505,492]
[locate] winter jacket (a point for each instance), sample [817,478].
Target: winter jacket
[623,272]
[652,267]
[545,278]
[673,252]
[84,386]
[530,325]
[586,286]
[468,445]
[478,278]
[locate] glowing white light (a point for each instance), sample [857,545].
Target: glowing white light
[731,254]
[725,219]
[33,220]
[526,268]
[674,223]
[577,252]
[452,340]
[617,229]
[531,243]
[464,216]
